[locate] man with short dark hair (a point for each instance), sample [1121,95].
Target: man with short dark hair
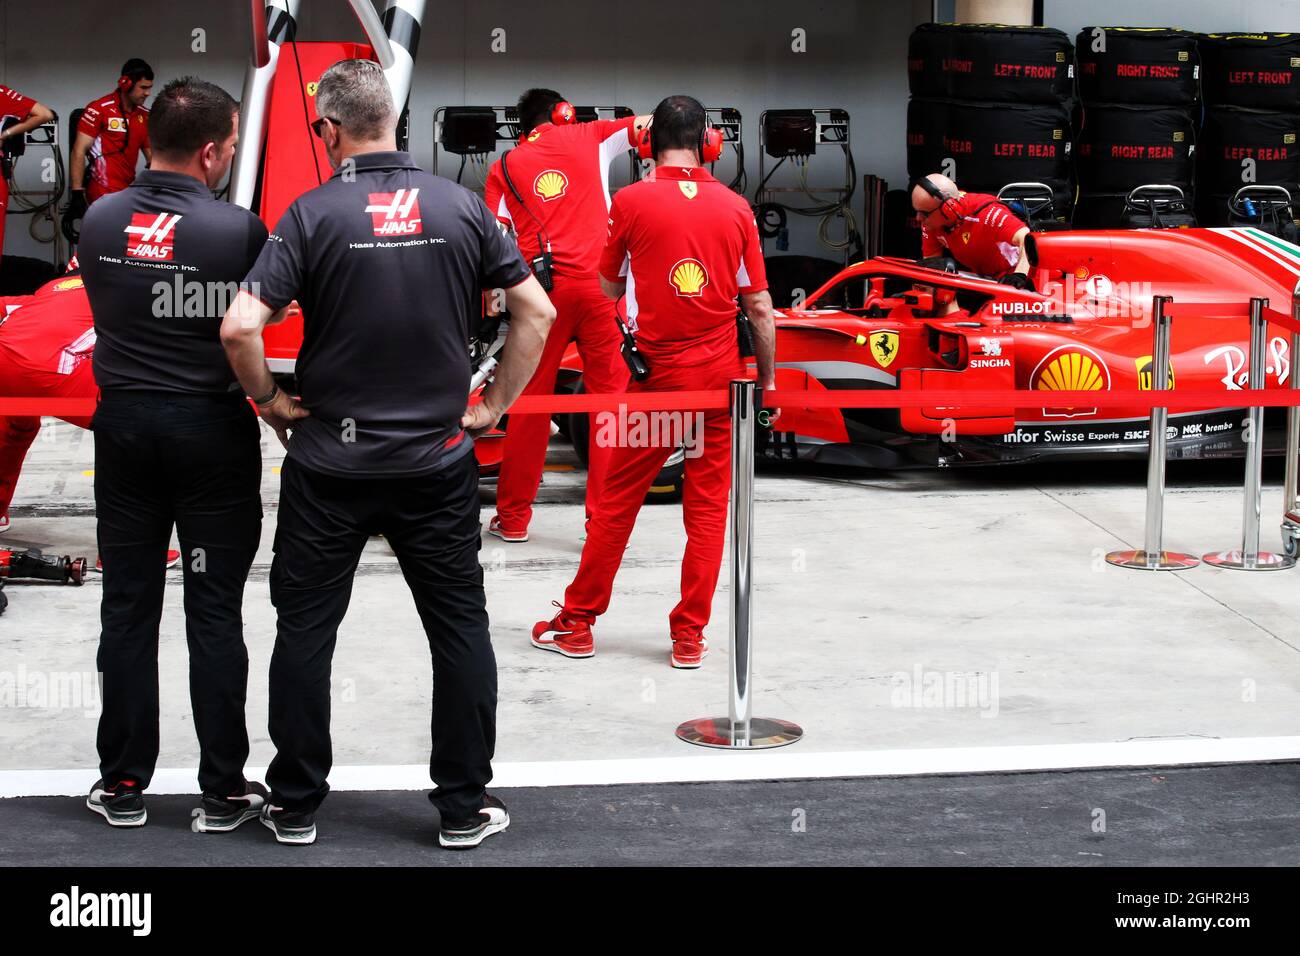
[689,246]
[388,263]
[553,191]
[175,444]
[112,133]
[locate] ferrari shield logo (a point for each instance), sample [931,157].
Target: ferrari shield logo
[689,190]
[1145,377]
[884,347]
[965,237]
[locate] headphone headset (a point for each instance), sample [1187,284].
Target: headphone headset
[949,214]
[709,147]
[563,114]
[125,82]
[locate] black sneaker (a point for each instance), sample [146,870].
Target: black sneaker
[221,814]
[295,827]
[122,804]
[467,834]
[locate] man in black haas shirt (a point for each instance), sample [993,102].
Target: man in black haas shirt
[175,444]
[388,264]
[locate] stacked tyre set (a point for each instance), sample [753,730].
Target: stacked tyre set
[1251,88]
[1139,96]
[991,105]
[985,99]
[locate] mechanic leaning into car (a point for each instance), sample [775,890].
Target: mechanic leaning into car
[389,264]
[982,234]
[553,191]
[692,246]
[175,444]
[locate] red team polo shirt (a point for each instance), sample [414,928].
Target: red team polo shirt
[118,139]
[562,173]
[49,333]
[12,105]
[688,246]
[984,240]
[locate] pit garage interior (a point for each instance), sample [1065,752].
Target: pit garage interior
[976,684]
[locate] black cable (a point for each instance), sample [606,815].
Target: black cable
[306,113]
[460,172]
[759,191]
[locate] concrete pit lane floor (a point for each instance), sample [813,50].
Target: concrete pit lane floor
[913,623]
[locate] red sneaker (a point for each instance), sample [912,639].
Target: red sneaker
[688,654]
[564,635]
[511,535]
[173,559]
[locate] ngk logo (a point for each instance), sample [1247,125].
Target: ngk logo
[151,235]
[395,214]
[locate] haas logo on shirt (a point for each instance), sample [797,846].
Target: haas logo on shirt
[689,277]
[151,235]
[395,214]
[550,184]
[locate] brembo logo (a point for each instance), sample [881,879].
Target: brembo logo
[151,235]
[395,214]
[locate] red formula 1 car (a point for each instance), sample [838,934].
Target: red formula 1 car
[896,324]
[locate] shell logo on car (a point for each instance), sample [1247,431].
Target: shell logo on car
[689,277]
[1070,368]
[550,184]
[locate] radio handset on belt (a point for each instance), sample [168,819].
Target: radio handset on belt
[542,263]
[636,363]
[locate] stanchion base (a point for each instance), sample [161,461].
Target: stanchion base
[764,733]
[1238,561]
[1152,561]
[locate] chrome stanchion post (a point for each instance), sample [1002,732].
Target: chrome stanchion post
[1291,483]
[1152,556]
[740,729]
[1250,558]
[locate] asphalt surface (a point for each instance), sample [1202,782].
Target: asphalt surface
[1239,815]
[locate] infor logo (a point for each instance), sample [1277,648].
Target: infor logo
[151,235]
[395,214]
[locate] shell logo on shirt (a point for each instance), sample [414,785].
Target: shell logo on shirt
[689,277]
[73,283]
[550,184]
[116,124]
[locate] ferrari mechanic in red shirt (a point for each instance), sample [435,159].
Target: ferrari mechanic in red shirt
[553,191]
[18,114]
[982,234]
[683,246]
[111,134]
[46,342]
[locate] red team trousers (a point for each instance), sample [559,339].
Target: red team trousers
[704,505]
[586,315]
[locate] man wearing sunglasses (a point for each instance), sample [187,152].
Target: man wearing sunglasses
[388,263]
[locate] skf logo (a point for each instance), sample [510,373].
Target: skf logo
[884,347]
[1070,368]
[151,235]
[689,277]
[550,184]
[1145,376]
[395,214]
[689,190]
[116,124]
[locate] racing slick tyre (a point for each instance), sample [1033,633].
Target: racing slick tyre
[1257,71]
[1123,147]
[667,486]
[984,146]
[1137,65]
[1240,147]
[991,62]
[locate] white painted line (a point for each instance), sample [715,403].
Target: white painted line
[704,766]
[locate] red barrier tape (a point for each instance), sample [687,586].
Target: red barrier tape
[942,399]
